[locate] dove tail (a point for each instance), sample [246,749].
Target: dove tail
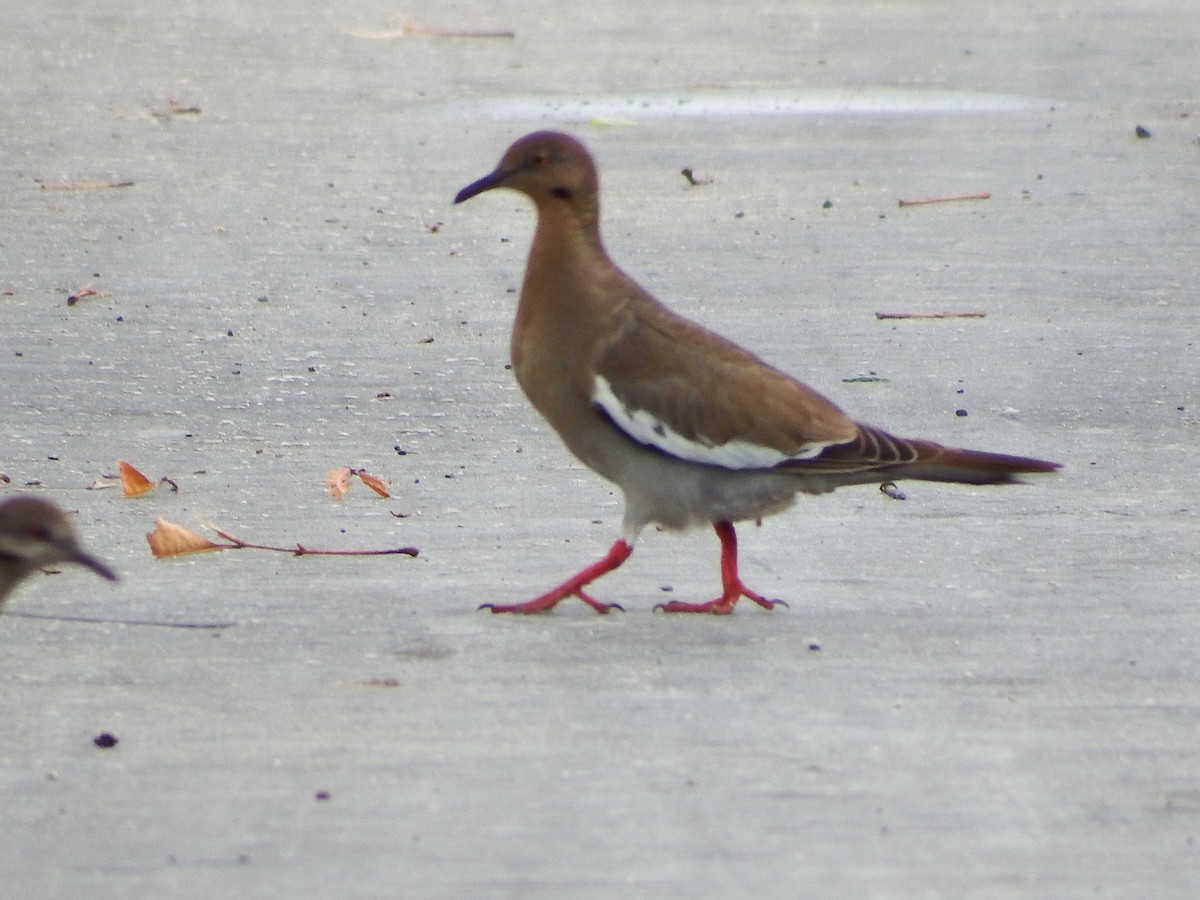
[935,462]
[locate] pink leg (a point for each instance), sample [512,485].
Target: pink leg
[573,586]
[732,588]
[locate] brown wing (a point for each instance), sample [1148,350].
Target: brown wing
[673,377]
[871,448]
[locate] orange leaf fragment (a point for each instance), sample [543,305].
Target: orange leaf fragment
[133,482]
[337,481]
[377,485]
[87,291]
[169,539]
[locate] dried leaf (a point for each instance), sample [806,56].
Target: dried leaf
[377,485]
[133,482]
[169,539]
[337,481]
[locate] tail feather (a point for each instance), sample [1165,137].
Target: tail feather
[873,453]
[935,462]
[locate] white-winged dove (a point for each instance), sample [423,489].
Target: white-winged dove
[33,534]
[693,429]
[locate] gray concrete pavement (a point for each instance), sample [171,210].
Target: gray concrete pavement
[1004,698]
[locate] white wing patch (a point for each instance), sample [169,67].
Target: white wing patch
[645,428]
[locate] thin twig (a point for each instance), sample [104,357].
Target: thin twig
[183,109]
[965,314]
[99,621]
[300,550]
[690,175]
[80,185]
[925,201]
[400,27]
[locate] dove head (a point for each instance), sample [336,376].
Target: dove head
[551,168]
